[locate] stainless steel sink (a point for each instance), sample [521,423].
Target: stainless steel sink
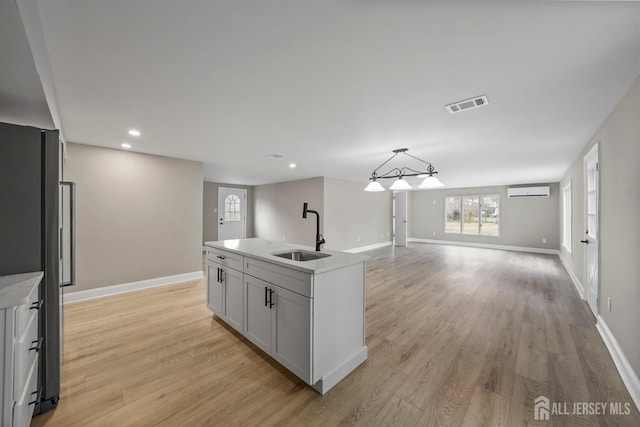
[298,255]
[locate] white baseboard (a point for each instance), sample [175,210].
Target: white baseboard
[629,376]
[368,247]
[486,246]
[572,275]
[333,378]
[106,291]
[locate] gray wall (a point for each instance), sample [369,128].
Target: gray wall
[278,210]
[210,206]
[619,149]
[355,217]
[138,216]
[523,221]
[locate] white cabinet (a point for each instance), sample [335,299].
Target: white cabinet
[257,325]
[225,287]
[215,290]
[19,351]
[291,331]
[278,321]
[311,320]
[233,297]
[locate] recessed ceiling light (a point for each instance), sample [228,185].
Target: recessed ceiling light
[134,132]
[125,145]
[292,165]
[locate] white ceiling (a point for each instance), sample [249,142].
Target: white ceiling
[335,86]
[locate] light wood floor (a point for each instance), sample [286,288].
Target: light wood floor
[456,336]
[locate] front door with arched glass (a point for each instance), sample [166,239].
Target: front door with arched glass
[232,213]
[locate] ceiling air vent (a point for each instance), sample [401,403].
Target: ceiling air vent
[275,156]
[467,104]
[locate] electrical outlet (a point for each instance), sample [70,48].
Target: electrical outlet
[358,238]
[544,240]
[284,238]
[434,233]
[609,303]
[434,202]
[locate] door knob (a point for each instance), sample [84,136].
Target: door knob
[584,241]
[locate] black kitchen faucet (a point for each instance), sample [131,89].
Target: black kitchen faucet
[319,238]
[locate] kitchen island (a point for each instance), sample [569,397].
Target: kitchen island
[305,309]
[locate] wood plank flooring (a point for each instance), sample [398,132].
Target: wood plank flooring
[456,336]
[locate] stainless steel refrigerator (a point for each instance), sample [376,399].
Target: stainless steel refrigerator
[31,235]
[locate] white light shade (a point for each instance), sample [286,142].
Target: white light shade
[400,184]
[374,186]
[134,132]
[431,182]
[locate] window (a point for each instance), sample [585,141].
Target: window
[232,208]
[476,215]
[566,217]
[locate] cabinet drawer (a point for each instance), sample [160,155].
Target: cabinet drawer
[23,409]
[226,258]
[293,280]
[25,352]
[24,312]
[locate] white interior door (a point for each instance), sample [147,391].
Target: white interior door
[232,213]
[400,218]
[591,240]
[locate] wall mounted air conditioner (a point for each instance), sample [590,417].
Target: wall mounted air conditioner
[541,191]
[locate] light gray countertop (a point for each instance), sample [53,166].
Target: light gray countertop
[15,289]
[263,250]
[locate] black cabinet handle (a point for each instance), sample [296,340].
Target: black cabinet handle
[584,241]
[36,305]
[266,300]
[222,275]
[35,345]
[271,292]
[220,257]
[37,398]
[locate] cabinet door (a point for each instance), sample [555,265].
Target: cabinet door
[257,321]
[291,332]
[215,291]
[233,297]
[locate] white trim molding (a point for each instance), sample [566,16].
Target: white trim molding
[572,275]
[106,291]
[368,247]
[629,376]
[486,246]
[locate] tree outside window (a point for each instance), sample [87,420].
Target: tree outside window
[473,214]
[232,208]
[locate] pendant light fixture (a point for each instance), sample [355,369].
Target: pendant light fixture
[430,181]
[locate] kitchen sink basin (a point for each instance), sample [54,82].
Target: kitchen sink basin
[298,255]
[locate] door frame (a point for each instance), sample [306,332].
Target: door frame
[594,151]
[244,210]
[405,223]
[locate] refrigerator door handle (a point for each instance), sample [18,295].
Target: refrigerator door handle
[72,233]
